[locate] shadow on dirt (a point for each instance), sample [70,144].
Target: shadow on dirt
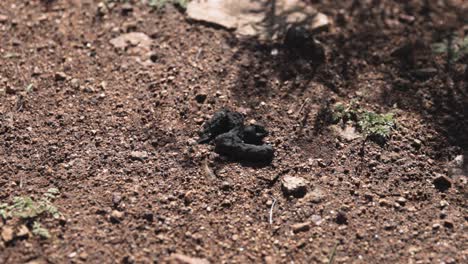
[370,39]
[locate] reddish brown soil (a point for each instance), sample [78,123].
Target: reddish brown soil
[79,139]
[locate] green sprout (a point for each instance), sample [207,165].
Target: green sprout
[376,125]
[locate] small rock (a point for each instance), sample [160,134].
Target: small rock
[301,227]
[274,52]
[189,197]
[102,85]
[317,195]
[389,226]
[341,219]
[295,186]
[127,8]
[360,234]
[101,9]
[183,259]
[443,214]
[416,143]
[10,90]
[116,199]
[116,216]
[201,97]
[448,224]
[138,155]
[37,261]
[413,249]
[154,57]
[129,259]
[458,166]
[442,183]
[60,76]
[348,133]
[226,186]
[3,19]
[316,219]
[458,161]
[443,204]
[135,43]
[75,83]
[83,255]
[199,120]
[226,203]
[7,234]
[270,260]
[401,201]
[148,216]
[36,71]
[385,203]
[23,231]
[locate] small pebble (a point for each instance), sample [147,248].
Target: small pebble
[60,76]
[301,227]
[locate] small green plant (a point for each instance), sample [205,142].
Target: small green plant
[376,125]
[29,210]
[457,47]
[40,231]
[344,113]
[372,125]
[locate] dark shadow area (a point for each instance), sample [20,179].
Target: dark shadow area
[386,43]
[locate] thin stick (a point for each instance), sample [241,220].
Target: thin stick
[303,105]
[271,211]
[198,54]
[333,253]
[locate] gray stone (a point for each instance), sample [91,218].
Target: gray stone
[138,155]
[295,186]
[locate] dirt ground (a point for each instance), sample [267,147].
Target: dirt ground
[116,133]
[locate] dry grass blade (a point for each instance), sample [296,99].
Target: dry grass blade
[331,260]
[271,211]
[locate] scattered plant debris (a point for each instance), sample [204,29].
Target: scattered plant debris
[234,140]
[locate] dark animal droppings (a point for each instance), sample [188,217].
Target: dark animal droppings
[234,140]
